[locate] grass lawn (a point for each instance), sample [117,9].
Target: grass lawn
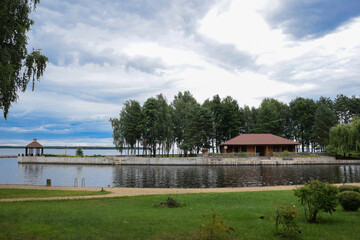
[136,218]
[32,193]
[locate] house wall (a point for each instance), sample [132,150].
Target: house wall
[251,149]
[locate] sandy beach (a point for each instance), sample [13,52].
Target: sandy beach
[121,192]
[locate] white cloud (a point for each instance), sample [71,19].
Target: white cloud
[242,24]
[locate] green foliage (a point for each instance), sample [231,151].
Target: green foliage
[214,228]
[346,108]
[169,203]
[325,118]
[349,200]
[272,117]
[242,154]
[79,152]
[285,154]
[17,66]
[344,188]
[316,196]
[285,224]
[345,138]
[302,119]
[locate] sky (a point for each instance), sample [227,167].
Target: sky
[103,53]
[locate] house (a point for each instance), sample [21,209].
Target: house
[258,144]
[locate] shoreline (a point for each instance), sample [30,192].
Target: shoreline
[191,161]
[127,192]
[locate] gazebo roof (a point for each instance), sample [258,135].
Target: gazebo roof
[34,144]
[259,139]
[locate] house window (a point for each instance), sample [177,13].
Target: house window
[276,148]
[291,149]
[229,149]
[243,148]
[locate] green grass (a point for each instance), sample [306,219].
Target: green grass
[32,193]
[136,218]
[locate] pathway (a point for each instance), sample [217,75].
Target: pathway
[121,192]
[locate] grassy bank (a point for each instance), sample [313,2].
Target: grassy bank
[32,193]
[136,218]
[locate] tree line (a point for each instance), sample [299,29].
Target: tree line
[159,126]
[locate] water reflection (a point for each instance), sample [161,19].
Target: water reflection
[32,172]
[230,176]
[174,176]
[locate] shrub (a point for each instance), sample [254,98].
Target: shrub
[349,200]
[241,154]
[285,224]
[316,196]
[344,188]
[79,152]
[170,203]
[285,154]
[214,228]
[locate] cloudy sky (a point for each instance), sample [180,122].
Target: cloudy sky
[103,53]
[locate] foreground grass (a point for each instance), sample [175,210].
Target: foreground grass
[136,218]
[33,193]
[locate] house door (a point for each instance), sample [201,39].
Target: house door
[260,150]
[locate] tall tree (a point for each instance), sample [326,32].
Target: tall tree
[346,108]
[163,124]
[126,129]
[149,125]
[230,121]
[197,134]
[345,138]
[302,117]
[17,66]
[249,116]
[272,117]
[182,105]
[215,108]
[325,118]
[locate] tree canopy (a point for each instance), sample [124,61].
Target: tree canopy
[191,127]
[17,66]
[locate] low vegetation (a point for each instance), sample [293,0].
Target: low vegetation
[34,193]
[316,196]
[350,200]
[285,223]
[252,215]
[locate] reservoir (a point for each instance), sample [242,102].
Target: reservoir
[173,176]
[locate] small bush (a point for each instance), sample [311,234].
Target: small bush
[344,188]
[214,228]
[349,200]
[79,152]
[241,154]
[317,196]
[170,203]
[285,154]
[285,224]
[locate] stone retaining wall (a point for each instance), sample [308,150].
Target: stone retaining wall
[112,160]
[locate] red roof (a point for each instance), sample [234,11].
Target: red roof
[259,139]
[34,144]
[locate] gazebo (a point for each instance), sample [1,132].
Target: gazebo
[34,149]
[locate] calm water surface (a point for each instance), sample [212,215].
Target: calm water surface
[173,176]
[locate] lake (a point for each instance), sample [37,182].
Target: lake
[173,176]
